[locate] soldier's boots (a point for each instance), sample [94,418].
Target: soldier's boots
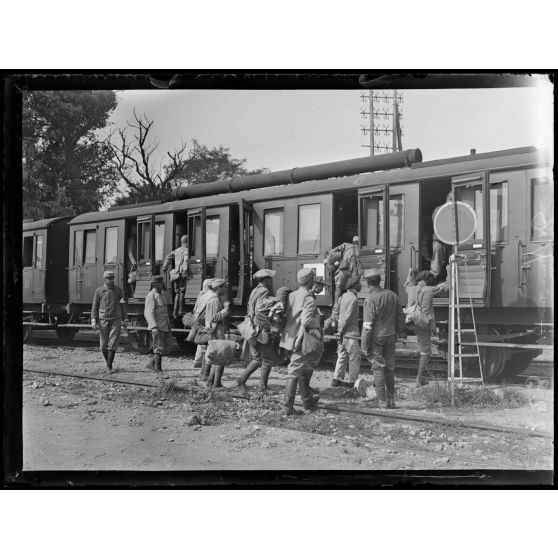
[211,377]
[218,374]
[423,363]
[309,400]
[110,358]
[181,309]
[380,385]
[151,364]
[335,382]
[176,306]
[290,394]
[105,355]
[157,362]
[204,375]
[390,388]
[266,371]
[250,369]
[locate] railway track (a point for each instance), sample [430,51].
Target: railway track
[406,365]
[399,415]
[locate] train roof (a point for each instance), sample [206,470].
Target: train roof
[523,157]
[43,223]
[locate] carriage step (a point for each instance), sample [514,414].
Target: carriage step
[461,355]
[465,330]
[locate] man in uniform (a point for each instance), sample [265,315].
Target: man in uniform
[345,315]
[301,314]
[179,273]
[216,313]
[158,322]
[347,265]
[382,321]
[109,313]
[262,352]
[200,303]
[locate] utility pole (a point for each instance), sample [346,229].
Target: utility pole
[384,115]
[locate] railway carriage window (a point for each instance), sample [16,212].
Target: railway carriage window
[212,237]
[309,228]
[90,247]
[373,221]
[27,251]
[159,241]
[111,238]
[542,210]
[274,226]
[39,251]
[78,247]
[144,237]
[473,197]
[499,212]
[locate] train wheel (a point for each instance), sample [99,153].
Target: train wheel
[494,359]
[140,341]
[532,382]
[27,330]
[66,333]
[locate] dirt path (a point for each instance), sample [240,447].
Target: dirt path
[77,424]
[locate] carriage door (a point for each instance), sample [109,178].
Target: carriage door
[245,251]
[403,219]
[474,267]
[374,239]
[112,235]
[28,268]
[196,263]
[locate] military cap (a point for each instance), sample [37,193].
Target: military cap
[108,274]
[369,273]
[157,279]
[218,283]
[355,239]
[262,273]
[184,238]
[304,275]
[207,283]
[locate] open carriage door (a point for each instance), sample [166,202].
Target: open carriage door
[374,236]
[144,256]
[474,266]
[197,262]
[244,247]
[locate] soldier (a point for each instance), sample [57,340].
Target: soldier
[158,322]
[179,273]
[200,302]
[262,351]
[382,321]
[317,288]
[347,266]
[216,313]
[423,293]
[301,314]
[109,313]
[345,314]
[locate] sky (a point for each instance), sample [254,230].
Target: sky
[289,128]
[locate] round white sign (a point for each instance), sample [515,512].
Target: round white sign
[444,225]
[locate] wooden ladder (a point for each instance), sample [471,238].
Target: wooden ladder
[456,331]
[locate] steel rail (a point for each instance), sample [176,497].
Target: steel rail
[393,415]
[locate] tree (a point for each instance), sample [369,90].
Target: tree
[67,169]
[148,179]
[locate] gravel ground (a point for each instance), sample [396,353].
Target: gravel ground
[75,424]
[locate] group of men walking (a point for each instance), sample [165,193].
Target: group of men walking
[288,320]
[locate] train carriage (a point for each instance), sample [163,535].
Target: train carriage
[290,219]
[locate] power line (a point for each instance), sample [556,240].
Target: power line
[384,116]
